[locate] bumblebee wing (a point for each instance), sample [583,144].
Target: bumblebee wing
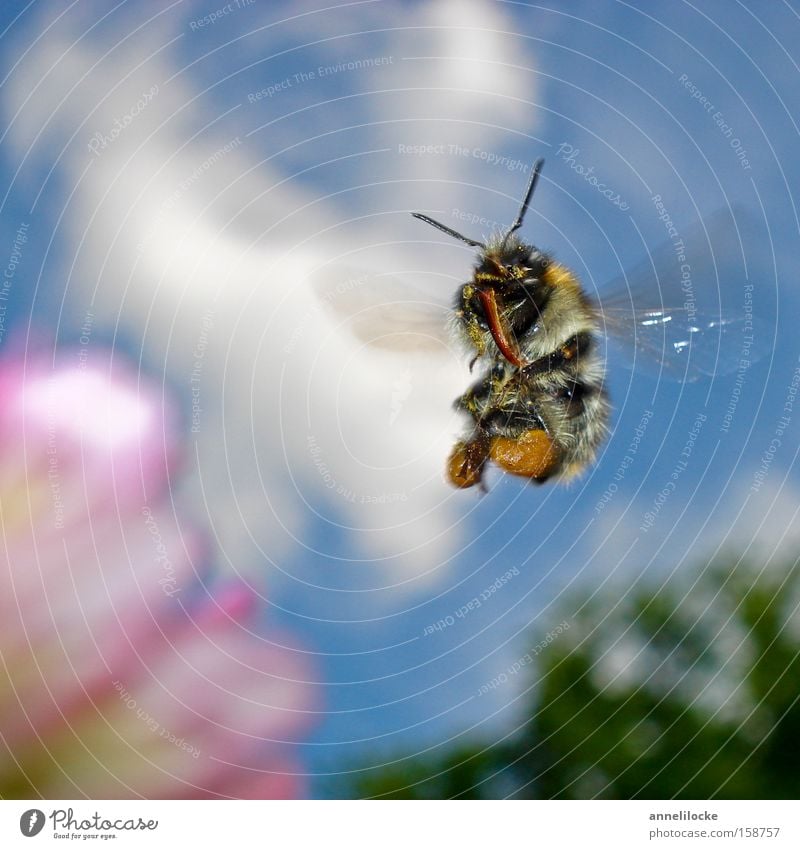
[382,311]
[679,344]
[675,314]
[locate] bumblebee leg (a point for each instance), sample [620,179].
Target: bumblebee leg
[470,317]
[467,461]
[478,397]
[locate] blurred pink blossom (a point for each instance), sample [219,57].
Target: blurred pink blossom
[125,670]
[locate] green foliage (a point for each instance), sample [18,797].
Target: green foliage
[689,691]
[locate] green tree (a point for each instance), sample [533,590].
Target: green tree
[691,690]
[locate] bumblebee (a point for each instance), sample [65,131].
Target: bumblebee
[540,409]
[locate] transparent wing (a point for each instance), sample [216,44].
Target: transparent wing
[681,344]
[381,310]
[686,311]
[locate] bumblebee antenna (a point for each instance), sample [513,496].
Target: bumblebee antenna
[537,169]
[447,230]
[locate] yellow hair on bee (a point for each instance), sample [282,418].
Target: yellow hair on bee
[560,277]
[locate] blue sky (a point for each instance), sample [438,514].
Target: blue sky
[315,192]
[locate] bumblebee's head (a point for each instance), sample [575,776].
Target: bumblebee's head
[508,259]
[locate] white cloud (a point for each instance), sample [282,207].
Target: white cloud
[277,325]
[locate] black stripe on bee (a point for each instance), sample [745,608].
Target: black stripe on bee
[574,396]
[566,357]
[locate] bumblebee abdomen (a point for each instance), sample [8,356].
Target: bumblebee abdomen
[582,429]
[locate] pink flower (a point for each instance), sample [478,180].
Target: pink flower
[125,670]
